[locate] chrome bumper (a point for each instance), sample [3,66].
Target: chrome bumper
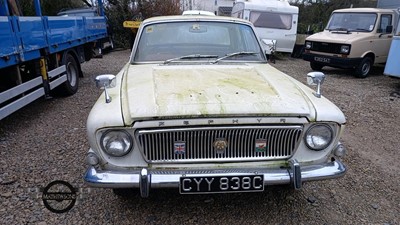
[144,178]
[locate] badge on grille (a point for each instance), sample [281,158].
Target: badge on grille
[220,145]
[179,147]
[261,145]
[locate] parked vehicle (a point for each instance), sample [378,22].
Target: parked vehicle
[199,109]
[392,67]
[104,43]
[354,38]
[41,55]
[275,22]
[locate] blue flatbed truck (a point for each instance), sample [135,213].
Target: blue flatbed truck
[40,56]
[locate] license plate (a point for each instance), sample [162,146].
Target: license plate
[322,59]
[220,184]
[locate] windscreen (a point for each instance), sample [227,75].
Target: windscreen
[168,40]
[362,22]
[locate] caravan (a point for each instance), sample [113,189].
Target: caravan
[275,22]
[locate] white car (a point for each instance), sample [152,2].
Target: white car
[199,109]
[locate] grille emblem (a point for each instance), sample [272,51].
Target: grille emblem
[220,145]
[179,147]
[261,145]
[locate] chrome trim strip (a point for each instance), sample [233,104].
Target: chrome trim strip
[170,179]
[144,183]
[237,120]
[295,173]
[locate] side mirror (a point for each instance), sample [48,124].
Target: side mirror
[316,78]
[105,81]
[389,29]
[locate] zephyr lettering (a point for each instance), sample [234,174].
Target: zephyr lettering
[235,121]
[259,120]
[160,124]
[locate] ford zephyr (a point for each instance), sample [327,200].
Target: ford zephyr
[199,109]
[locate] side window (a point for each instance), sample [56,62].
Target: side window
[386,20]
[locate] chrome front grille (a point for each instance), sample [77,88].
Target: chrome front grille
[215,144]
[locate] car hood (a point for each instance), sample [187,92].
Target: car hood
[178,91]
[338,37]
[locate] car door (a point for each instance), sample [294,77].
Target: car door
[383,38]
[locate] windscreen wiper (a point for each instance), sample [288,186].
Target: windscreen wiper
[193,56]
[234,54]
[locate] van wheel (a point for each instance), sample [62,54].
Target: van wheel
[363,68]
[316,66]
[70,86]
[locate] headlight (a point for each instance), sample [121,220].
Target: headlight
[308,44]
[344,49]
[116,142]
[318,137]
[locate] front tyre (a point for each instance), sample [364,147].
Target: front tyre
[316,66]
[70,86]
[363,69]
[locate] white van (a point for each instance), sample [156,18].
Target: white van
[275,22]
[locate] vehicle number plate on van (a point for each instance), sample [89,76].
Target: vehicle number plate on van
[218,184]
[322,59]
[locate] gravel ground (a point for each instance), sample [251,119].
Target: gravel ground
[46,141]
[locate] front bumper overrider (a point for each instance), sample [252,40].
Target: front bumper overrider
[146,178]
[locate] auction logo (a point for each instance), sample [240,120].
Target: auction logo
[59,196]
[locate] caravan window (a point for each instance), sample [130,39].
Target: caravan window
[271,20]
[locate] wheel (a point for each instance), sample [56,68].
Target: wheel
[363,68]
[316,66]
[70,86]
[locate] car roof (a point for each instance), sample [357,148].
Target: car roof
[198,12]
[195,18]
[365,10]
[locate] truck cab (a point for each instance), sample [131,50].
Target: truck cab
[354,38]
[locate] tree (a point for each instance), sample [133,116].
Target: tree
[314,14]
[119,11]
